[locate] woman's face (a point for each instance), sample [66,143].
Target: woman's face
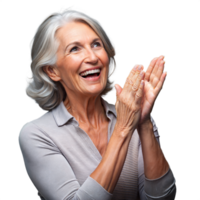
[82,61]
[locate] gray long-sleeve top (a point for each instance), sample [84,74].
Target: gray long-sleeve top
[59,157]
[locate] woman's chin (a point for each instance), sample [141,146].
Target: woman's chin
[94,90]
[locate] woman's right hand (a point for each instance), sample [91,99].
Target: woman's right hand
[129,101]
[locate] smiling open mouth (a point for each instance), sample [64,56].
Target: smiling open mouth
[91,75]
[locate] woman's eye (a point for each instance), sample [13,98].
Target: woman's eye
[97,44]
[74,48]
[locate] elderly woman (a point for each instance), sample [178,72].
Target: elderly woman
[83,147]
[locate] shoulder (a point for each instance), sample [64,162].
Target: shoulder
[42,122]
[35,129]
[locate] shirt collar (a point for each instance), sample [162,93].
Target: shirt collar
[62,116]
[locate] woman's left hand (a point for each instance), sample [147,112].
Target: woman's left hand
[154,79]
[153,82]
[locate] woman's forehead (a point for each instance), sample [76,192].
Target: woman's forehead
[75,31]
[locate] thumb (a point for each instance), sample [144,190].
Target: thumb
[118,89]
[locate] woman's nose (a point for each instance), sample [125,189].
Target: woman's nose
[91,57]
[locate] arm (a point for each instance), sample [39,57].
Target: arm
[108,171]
[128,107]
[159,181]
[162,188]
[48,169]
[53,176]
[155,164]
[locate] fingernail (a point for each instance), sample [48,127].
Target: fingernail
[141,73]
[135,67]
[142,83]
[140,66]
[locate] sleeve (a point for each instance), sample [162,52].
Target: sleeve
[50,172]
[163,188]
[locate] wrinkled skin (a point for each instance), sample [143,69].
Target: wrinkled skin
[129,101]
[134,108]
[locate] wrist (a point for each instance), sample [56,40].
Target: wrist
[145,132]
[145,127]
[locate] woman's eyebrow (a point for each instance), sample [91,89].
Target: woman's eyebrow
[78,43]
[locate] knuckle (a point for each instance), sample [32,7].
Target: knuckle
[134,88]
[138,95]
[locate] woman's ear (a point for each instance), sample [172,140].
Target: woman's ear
[52,72]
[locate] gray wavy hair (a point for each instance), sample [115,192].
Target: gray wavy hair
[46,92]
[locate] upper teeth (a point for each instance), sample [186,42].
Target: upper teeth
[93,71]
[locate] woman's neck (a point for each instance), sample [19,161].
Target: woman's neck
[87,110]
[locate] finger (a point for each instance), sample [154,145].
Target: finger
[124,84]
[155,69]
[159,66]
[139,93]
[131,78]
[161,82]
[158,74]
[137,82]
[150,68]
[137,69]
[118,89]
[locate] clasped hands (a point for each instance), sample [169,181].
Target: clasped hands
[136,100]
